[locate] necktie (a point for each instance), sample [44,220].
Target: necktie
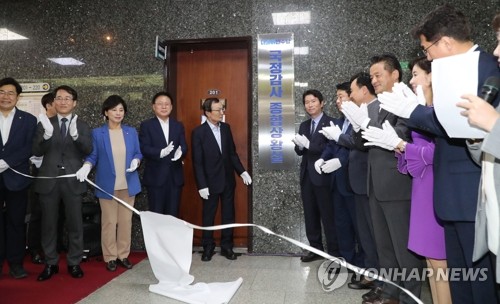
[63,127]
[345,125]
[313,126]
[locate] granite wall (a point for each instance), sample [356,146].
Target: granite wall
[342,36]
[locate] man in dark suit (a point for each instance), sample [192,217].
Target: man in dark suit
[315,187]
[34,233]
[163,145]
[214,161]
[17,129]
[63,141]
[356,175]
[389,191]
[446,32]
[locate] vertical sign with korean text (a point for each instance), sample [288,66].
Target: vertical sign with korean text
[276,104]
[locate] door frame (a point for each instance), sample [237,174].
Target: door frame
[170,85]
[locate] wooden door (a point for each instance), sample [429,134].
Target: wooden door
[222,69]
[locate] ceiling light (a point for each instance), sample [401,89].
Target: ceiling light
[66,61]
[292,18]
[6,34]
[302,50]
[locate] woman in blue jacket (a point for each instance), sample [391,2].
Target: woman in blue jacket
[116,156]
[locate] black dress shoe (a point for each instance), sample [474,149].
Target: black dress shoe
[36,258]
[125,263]
[310,257]
[228,253]
[383,301]
[208,252]
[111,265]
[372,295]
[17,271]
[75,271]
[47,272]
[361,284]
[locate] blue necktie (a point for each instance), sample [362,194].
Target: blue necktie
[313,126]
[63,127]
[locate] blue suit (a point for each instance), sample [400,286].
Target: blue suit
[456,182]
[343,201]
[102,158]
[163,177]
[13,187]
[358,175]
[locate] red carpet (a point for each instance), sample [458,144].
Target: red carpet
[61,288]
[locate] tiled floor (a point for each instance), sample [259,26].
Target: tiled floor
[266,279]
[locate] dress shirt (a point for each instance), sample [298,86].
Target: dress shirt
[164,127]
[6,123]
[216,130]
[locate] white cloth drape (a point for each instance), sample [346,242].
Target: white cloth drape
[169,245]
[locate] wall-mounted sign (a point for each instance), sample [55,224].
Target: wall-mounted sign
[213,92]
[35,87]
[276,104]
[160,49]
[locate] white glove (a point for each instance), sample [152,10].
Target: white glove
[356,115]
[302,141]
[386,138]
[83,172]
[332,132]
[247,180]
[318,164]
[331,165]
[204,193]
[166,151]
[296,141]
[73,131]
[134,164]
[36,160]
[177,154]
[3,165]
[47,125]
[401,102]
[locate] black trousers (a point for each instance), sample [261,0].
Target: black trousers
[49,203]
[227,212]
[365,231]
[165,199]
[459,240]
[12,227]
[318,211]
[391,224]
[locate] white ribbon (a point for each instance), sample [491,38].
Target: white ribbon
[361,271]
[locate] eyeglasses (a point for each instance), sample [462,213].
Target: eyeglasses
[61,99]
[161,105]
[425,51]
[218,110]
[9,93]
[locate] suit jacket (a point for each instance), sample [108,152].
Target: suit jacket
[152,141]
[388,183]
[491,145]
[317,143]
[57,151]
[456,176]
[340,177]
[102,158]
[17,150]
[358,162]
[214,169]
